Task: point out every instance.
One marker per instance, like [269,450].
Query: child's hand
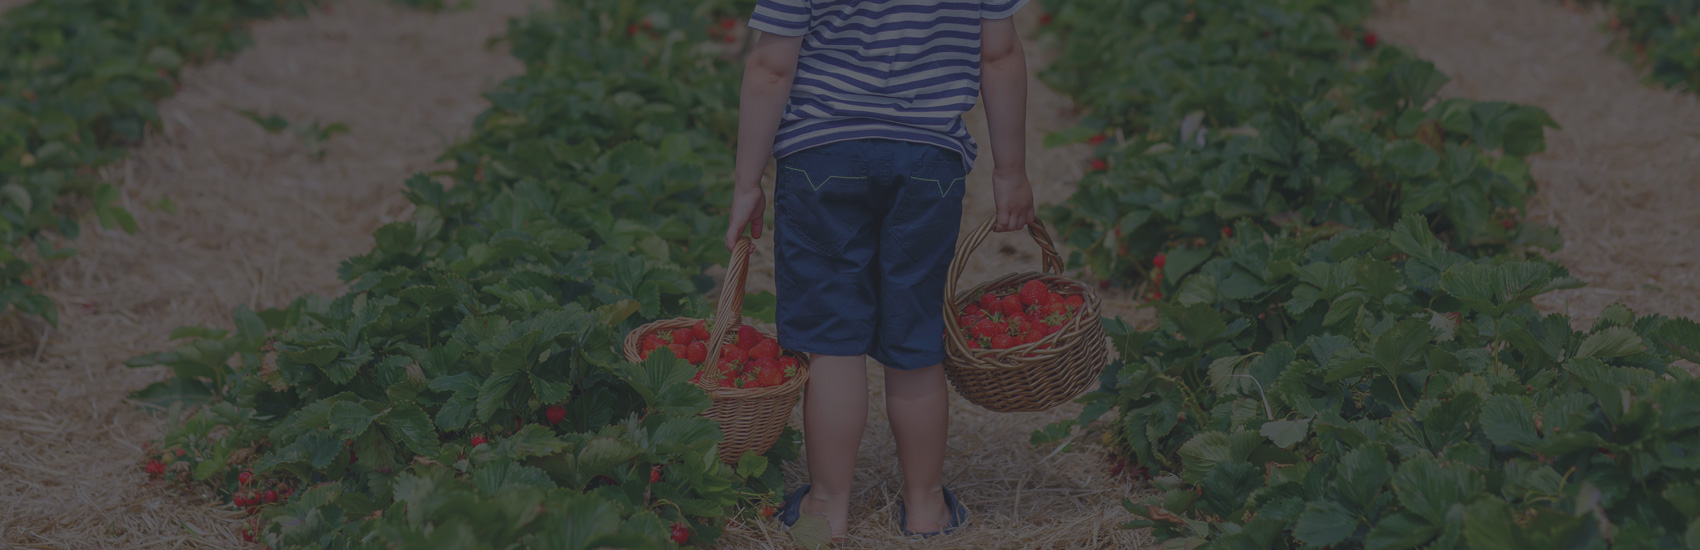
[1014,200]
[748,204]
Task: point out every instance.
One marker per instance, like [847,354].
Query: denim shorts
[864,233]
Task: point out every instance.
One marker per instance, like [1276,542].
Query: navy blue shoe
[793,507]
[958,516]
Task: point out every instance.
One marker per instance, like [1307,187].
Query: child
[861,102]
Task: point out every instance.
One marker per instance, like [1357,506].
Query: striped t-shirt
[896,69]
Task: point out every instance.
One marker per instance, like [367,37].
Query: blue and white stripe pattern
[894,69]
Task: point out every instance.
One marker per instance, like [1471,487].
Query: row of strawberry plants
[1360,370]
[1661,37]
[77,87]
[466,390]
[1280,115]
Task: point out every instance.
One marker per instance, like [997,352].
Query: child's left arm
[768,74]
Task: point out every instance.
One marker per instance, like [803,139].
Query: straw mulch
[1618,180]
[1021,497]
[257,223]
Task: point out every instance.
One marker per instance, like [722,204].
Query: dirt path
[1021,498]
[257,222]
[1618,179]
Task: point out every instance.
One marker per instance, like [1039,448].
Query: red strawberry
[788,364]
[734,354]
[984,329]
[655,473]
[756,366]
[767,349]
[155,467]
[1074,302]
[700,330]
[247,536]
[1033,292]
[1033,336]
[972,309]
[683,336]
[1099,165]
[681,533]
[1011,306]
[1003,341]
[696,353]
[748,337]
[631,30]
[1053,298]
[678,350]
[269,496]
[1227,232]
[726,23]
[729,382]
[1156,295]
[555,414]
[989,302]
[730,38]
[1508,223]
[1044,19]
[769,375]
[1095,139]
[966,321]
[766,511]
[697,378]
[478,439]
[1158,261]
[1056,309]
[1370,40]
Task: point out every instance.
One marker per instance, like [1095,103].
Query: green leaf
[1429,489]
[1363,471]
[412,427]
[1325,523]
[1285,433]
[1396,346]
[1508,420]
[1228,485]
[271,123]
[751,464]
[494,394]
[761,306]
[1611,342]
[1400,531]
[1489,524]
[350,419]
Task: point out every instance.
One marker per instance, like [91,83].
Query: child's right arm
[767,86]
[1003,80]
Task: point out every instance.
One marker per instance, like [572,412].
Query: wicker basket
[1028,377]
[750,418]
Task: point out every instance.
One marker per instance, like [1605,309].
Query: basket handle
[729,313]
[1053,263]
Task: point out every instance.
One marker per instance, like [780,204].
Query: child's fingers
[755,229]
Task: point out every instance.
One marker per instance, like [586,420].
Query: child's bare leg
[835,410]
[919,409]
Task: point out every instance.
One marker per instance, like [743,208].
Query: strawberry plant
[77,86]
[1375,388]
[1235,112]
[467,387]
[1661,37]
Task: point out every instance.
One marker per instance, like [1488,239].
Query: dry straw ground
[258,223]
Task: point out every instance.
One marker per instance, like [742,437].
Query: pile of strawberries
[1025,317]
[750,360]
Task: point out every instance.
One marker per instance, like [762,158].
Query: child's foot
[837,513]
[927,512]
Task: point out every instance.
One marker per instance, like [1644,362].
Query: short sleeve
[782,17]
[1000,9]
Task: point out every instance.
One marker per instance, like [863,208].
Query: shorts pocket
[820,206]
[927,211]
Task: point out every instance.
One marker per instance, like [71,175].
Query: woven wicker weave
[751,418]
[1024,378]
